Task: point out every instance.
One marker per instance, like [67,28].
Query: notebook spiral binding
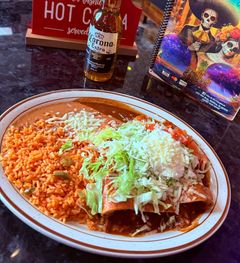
[167,13]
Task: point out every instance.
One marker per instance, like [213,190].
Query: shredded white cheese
[166,156]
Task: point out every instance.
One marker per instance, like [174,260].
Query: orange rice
[30,158]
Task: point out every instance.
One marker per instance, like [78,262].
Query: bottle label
[102,42]
[99,63]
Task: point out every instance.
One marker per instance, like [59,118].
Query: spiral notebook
[198,51]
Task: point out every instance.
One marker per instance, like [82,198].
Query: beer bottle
[103,39]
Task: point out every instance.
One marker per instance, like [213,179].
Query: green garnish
[170,181]
[66,146]
[66,162]
[29,191]
[62,174]
[82,194]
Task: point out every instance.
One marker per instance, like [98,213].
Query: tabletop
[26,71]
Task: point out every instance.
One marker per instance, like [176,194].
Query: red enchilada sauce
[127,222]
[116,109]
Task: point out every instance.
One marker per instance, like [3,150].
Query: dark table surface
[26,71]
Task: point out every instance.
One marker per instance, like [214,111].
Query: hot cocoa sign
[70,19]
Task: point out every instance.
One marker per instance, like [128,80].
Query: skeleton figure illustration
[227,47]
[226,50]
[199,38]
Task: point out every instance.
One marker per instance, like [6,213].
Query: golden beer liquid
[107,20]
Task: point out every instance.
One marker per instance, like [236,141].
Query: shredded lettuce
[95,171]
[140,163]
[107,134]
[92,198]
[66,146]
[84,169]
[126,179]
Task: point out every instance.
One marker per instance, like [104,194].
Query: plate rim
[108,251]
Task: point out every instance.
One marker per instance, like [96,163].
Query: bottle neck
[111,5]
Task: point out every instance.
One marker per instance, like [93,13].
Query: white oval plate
[79,236]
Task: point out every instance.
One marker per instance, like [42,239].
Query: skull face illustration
[230,48]
[209,18]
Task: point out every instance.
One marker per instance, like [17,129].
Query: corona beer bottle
[103,39]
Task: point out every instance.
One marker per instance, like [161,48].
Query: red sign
[71,18]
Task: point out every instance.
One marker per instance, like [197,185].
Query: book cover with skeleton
[199,52]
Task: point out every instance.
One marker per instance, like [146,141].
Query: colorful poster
[200,53]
